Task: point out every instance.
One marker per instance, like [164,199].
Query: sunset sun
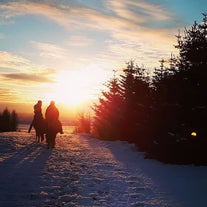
[70,88]
[75,87]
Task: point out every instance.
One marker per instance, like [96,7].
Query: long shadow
[180,183]
[20,174]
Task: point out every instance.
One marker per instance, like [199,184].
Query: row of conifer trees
[164,114]
[8,121]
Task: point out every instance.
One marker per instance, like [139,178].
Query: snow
[83,171]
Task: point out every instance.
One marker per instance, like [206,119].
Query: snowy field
[82,171]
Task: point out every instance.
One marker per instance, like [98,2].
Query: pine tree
[192,76]
[107,119]
[8,121]
[6,124]
[129,100]
[13,121]
[83,123]
[193,46]
[165,108]
[136,94]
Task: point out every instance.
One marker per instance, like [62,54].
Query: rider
[37,114]
[38,110]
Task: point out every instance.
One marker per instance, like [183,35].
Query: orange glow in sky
[75,87]
[66,50]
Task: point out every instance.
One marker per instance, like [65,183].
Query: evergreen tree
[129,100]
[6,120]
[136,104]
[193,46]
[13,121]
[166,110]
[192,76]
[180,89]
[83,124]
[180,99]
[171,109]
[107,119]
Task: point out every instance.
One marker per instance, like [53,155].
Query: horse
[40,129]
[53,127]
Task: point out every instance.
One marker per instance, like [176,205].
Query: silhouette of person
[38,110]
[52,113]
[37,114]
[52,116]
[53,124]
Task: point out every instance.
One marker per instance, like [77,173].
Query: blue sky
[48,43]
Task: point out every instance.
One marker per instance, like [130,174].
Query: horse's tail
[30,127]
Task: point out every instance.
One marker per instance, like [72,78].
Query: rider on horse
[38,121]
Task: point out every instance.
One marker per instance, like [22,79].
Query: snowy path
[82,171]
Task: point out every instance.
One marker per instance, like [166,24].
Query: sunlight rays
[77,86]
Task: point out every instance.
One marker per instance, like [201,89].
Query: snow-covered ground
[83,171]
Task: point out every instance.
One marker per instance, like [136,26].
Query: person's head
[52,102]
[39,102]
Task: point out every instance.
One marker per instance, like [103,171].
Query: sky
[65,50]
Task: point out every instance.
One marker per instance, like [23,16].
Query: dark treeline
[8,121]
[160,113]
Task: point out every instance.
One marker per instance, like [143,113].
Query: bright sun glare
[76,87]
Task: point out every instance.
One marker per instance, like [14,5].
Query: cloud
[13,9]
[136,11]
[64,15]
[7,94]
[27,78]
[128,24]
[51,50]
[80,41]
[150,10]
[26,87]
[72,15]
[18,69]
[10,61]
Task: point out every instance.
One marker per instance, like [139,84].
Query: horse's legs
[37,136]
[42,137]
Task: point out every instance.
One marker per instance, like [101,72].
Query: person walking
[53,124]
[52,113]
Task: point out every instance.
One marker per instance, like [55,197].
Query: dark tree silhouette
[192,76]
[108,112]
[8,121]
[14,120]
[180,99]
[136,96]
[159,116]
[123,112]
